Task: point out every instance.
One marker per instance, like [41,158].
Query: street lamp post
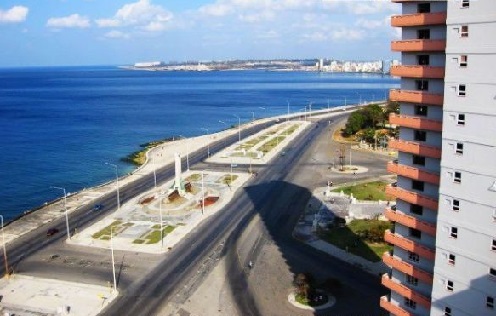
[4,251]
[161,222]
[66,215]
[253,117]
[187,151]
[208,142]
[112,253]
[202,194]
[239,127]
[287,118]
[116,184]
[226,127]
[262,108]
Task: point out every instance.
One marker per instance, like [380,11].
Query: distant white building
[148,64]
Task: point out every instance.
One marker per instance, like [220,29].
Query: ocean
[60,125]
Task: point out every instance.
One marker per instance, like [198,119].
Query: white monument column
[177,179]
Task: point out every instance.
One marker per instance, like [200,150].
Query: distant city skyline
[119,32]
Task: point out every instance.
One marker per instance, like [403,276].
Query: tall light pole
[4,251]
[66,215]
[262,108]
[208,142]
[202,194]
[252,117]
[239,127]
[155,174]
[161,222]
[287,118]
[116,184]
[112,254]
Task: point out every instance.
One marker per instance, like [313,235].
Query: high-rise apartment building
[444,257]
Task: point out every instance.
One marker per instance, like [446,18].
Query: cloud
[141,14]
[14,15]
[116,34]
[73,20]
[347,34]
[370,24]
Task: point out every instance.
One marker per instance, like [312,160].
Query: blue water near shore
[60,125]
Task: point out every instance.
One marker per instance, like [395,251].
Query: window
[464,31]
[410,303]
[451,259]
[463,60]
[490,302]
[423,60]
[415,233]
[422,85]
[424,34]
[462,90]
[418,185]
[454,232]
[492,271]
[493,246]
[418,160]
[412,256]
[421,110]
[411,280]
[416,209]
[465,4]
[461,119]
[455,205]
[457,178]
[447,311]
[459,148]
[449,286]
[424,8]
[421,136]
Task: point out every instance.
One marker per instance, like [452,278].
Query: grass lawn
[154,236]
[371,191]
[106,231]
[194,177]
[227,179]
[268,146]
[352,237]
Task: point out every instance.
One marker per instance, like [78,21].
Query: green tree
[375,115]
[355,123]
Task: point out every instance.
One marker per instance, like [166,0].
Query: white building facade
[444,257]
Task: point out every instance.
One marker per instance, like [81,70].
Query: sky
[123,32]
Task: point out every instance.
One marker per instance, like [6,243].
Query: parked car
[52,231]
[98,207]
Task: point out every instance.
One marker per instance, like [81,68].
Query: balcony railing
[418,71]
[412,197]
[415,148]
[413,173]
[415,122]
[410,221]
[419,45]
[405,267]
[414,96]
[419,19]
[406,291]
[409,245]
[393,309]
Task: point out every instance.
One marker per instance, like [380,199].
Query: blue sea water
[59,125]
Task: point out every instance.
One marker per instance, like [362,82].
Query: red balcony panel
[413,173]
[416,122]
[412,197]
[410,221]
[418,72]
[415,148]
[409,245]
[407,268]
[406,291]
[393,309]
[413,96]
[419,45]
[419,19]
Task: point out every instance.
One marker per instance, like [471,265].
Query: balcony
[393,309]
[414,96]
[413,173]
[415,122]
[410,221]
[409,245]
[412,197]
[405,291]
[419,19]
[405,267]
[415,148]
[415,71]
[419,45]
